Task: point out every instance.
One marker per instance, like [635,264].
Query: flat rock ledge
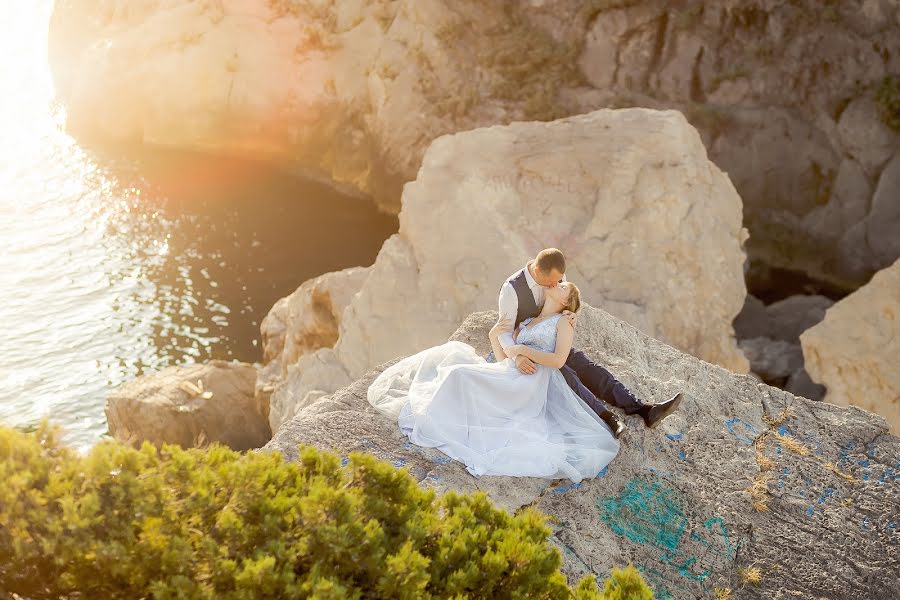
[192,406]
[743,475]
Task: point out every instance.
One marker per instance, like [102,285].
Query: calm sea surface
[113,263]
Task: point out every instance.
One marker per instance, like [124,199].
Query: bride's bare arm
[565,335]
[496,331]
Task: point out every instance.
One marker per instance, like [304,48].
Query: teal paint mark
[651,514]
[719,523]
[645,513]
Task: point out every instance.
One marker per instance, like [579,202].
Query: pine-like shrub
[214,523]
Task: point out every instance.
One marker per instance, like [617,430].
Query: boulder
[772,360]
[792,316]
[650,227]
[301,324]
[854,350]
[192,406]
[741,475]
[782,320]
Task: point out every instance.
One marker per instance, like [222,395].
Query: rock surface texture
[855,351]
[650,227]
[162,408]
[741,475]
[783,93]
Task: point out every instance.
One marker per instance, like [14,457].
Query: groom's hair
[549,259]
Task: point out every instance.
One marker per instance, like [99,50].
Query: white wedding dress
[491,417]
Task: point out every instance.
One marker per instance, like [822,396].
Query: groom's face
[547,279]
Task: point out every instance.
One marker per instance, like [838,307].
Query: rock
[170,407]
[864,135]
[300,324]
[628,195]
[772,360]
[678,501]
[782,320]
[792,316]
[801,384]
[354,92]
[854,351]
[752,321]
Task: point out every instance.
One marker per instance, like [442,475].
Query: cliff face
[741,475]
[650,227]
[782,92]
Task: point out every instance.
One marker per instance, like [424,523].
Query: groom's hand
[525,365]
[572,317]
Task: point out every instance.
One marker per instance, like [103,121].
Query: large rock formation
[192,406]
[651,229]
[299,325]
[854,351]
[741,475]
[782,92]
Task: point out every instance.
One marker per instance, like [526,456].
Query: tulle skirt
[493,418]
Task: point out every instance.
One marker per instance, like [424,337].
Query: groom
[521,297]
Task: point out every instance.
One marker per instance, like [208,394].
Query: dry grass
[831,467]
[759,491]
[722,593]
[792,444]
[751,575]
[783,416]
[764,462]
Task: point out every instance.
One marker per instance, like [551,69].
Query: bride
[490,416]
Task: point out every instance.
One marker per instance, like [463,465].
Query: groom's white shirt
[509,302]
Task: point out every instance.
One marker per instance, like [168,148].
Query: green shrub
[888,99]
[626,584]
[214,523]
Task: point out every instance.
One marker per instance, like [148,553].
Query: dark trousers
[591,381]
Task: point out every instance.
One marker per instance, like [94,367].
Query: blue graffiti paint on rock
[735,426]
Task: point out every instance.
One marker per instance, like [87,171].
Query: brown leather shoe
[657,412]
[615,425]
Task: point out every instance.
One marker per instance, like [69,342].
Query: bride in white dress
[493,418]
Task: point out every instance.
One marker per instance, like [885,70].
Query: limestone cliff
[742,475]
[782,91]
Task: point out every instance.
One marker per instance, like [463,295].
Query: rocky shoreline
[493,132]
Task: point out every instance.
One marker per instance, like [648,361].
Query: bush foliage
[214,523]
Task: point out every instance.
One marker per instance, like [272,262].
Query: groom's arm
[509,307]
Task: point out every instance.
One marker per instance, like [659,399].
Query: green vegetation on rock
[174,523]
[888,99]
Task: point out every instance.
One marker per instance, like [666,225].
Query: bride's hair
[574,301]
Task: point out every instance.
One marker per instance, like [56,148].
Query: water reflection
[110,266]
[140,264]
